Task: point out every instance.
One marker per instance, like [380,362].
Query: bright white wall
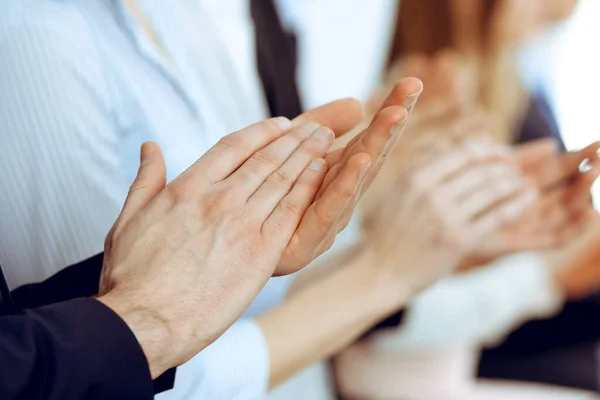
[575,78]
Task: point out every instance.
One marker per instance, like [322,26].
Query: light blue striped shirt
[81,88]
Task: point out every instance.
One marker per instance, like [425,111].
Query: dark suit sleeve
[79,280]
[78,349]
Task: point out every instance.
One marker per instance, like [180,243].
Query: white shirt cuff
[235,367]
[478,307]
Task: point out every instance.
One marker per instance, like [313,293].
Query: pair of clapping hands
[184,260]
[450,196]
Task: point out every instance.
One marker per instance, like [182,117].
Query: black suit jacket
[56,342]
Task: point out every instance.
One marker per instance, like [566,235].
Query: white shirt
[434,353]
[477,308]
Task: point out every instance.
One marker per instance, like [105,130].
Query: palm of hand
[349,177]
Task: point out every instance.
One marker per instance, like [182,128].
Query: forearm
[324,317]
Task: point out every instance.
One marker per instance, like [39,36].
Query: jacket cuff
[103,350]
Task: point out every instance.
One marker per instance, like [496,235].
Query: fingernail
[410,101]
[284,123]
[317,165]
[311,127]
[146,154]
[585,166]
[324,134]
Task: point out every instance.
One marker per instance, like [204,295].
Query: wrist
[152,331]
[388,291]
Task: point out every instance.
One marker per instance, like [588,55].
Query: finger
[319,225]
[530,154]
[490,196]
[340,116]
[463,185]
[506,213]
[470,152]
[286,216]
[150,180]
[373,141]
[582,186]
[305,142]
[405,93]
[567,166]
[233,150]
[278,184]
[562,206]
[592,151]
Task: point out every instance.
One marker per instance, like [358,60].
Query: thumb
[150,180]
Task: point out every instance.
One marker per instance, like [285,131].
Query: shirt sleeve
[480,307]
[75,350]
[235,367]
[61,181]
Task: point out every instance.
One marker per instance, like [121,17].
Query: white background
[575,78]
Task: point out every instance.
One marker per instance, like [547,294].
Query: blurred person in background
[466,54]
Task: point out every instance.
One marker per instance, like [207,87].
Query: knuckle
[139,185]
[266,158]
[232,142]
[290,208]
[312,147]
[280,178]
[178,192]
[274,127]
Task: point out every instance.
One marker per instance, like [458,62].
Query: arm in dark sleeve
[78,349]
[79,280]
